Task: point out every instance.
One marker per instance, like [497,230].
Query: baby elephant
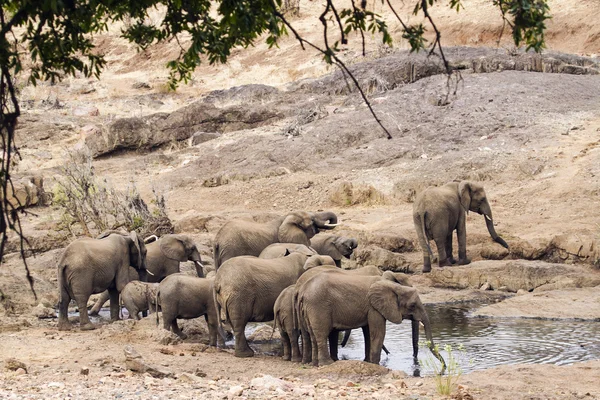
[139,296]
[185,296]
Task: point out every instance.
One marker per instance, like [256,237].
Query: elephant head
[181,248]
[397,302]
[137,255]
[301,226]
[317,261]
[472,198]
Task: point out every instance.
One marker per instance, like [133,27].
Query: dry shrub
[348,194]
[91,205]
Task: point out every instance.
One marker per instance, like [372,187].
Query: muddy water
[487,342]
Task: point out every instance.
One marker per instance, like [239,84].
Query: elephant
[337,247]
[438,211]
[186,297]
[285,317]
[163,258]
[334,336]
[139,296]
[334,300]
[247,287]
[89,266]
[246,238]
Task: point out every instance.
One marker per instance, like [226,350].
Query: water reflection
[488,342]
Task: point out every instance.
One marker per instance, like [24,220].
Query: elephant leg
[441,247]
[295,347]
[176,330]
[367,341]
[287,344]
[376,329]
[333,344]
[144,314]
[319,342]
[135,314]
[461,233]
[104,297]
[449,249]
[84,319]
[212,330]
[426,263]
[242,349]
[306,345]
[63,311]
[114,304]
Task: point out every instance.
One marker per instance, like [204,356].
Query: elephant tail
[156,300]
[216,292]
[425,240]
[217,255]
[63,287]
[295,322]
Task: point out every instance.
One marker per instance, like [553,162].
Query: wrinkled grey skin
[139,296]
[337,247]
[334,336]
[162,260]
[247,287]
[241,238]
[90,266]
[334,300]
[186,297]
[438,211]
[285,317]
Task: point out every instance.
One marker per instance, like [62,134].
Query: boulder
[201,137]
[514,275]
[26,191]
[268,382]
[390,242]
[264,333]
[384,259]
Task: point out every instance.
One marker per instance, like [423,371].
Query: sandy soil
[531,138]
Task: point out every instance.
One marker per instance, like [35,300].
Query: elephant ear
[173,248]
[136,242]
[294,229]
[384,298]
[464,193]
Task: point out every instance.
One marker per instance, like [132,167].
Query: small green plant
[446,381]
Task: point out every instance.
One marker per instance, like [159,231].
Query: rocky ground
[273,132]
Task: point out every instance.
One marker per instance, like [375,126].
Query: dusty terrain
[304,140]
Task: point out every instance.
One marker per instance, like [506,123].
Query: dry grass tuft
[348,194]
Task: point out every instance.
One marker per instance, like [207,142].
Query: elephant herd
[281,271]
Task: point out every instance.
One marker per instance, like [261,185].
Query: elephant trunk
[199,269]
[489,222]
[429,336]
[415,339]
[325,220]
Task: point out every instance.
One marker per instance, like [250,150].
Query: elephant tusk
[149,273]
[486,217]
[200,264]
[422,324]
[330,225]
[151,237]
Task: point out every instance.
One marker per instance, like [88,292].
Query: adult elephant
[332,300]
[247,238]
[247,287]
[337,247]
[90,266]
[162,260]
[438,211]
[334,335]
